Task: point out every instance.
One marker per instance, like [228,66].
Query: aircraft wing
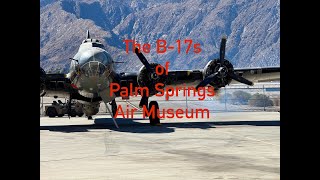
[59,85]
[194,77]
[174,78]
[218,73]
[265,74]
[54,85]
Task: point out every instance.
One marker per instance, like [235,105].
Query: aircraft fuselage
[90,73]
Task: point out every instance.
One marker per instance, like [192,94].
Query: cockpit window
[95,55]
[97,45]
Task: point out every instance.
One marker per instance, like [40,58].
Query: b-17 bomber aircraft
[92,72]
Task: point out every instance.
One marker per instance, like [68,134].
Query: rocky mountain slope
[252,28]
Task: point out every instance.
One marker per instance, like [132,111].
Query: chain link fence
[233,98]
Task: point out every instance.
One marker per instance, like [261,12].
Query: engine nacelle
[150,79]
[222,79]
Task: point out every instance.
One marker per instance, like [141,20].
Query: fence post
[225,99]
[186,99]
[264,99]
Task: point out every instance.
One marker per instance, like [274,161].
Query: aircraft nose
[93,68]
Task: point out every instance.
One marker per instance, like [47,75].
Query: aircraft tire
[73,113]
[51,112]
[80,114]
[156,120]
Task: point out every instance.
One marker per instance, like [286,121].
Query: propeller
[223,70]
[240,79]
[223,48]
[148,77]
[143,59]
[207,80]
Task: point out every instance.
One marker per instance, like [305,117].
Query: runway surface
[233,145]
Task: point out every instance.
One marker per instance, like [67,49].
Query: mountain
[252,28]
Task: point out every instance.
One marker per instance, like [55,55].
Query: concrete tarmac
[232,145]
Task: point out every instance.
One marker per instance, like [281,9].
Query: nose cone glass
[93,68]
[89,59]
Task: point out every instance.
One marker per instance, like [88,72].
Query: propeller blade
[207,80]
[143,59]
[223,48]
[240,79]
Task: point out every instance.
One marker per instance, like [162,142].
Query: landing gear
[73,113]
[144,102]
[89,117]
[112,113]
[51,112]
[154,119]
[105,99]
[113,107]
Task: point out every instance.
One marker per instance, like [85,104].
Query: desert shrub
[260,100]
[276,102]
[240,97]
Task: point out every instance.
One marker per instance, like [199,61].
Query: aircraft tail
[88,35]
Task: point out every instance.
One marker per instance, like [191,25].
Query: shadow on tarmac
[129,125]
